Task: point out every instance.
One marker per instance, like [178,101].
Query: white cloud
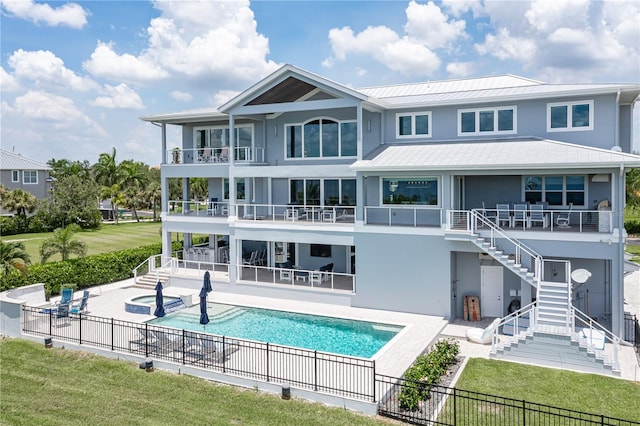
[7,82]
[46,70]
[428,25]
[222,97]
[460,69]
[548,15]
[202,40]
[459,7]
[58,111]
[69,14]
[505,46]
[106,63]
[181,96]
[121,96]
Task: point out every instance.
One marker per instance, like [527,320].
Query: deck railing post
[455,407]
[146,340]
[51,322]
[267,361]
[524,412]
[112,335]
[315,370]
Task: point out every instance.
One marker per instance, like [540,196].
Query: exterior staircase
[550,331]
[150,279]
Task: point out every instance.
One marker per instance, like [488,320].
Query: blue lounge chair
[66,296]
[81,306]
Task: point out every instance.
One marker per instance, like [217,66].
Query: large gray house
[409,197]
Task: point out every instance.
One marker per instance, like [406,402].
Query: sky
[76,76]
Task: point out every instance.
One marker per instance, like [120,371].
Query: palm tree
[633,188]
[14,258]
[133,180]
[115,196]
[108,173]
[153,195]
[62,242]
[19,201]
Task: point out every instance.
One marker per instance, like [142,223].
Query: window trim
[564,189]
[413,124]
[495,111]
[15,176]
[24,174]
[322,193]
[227,182]
[419,206]
[286,127]
[569,106]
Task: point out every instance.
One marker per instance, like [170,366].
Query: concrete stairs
[546,348]
[151,279]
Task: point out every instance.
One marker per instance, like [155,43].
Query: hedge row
[84,272]
[632,227]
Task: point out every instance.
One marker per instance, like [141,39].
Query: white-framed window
[487,121]
[570,116]
[321,138]
[556,191]
[323,192]
[15,176]
[422,191]
[240,189]
[30,177]
[413,125]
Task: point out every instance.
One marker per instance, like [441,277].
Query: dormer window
[321,138]
[487,121]
[413,125]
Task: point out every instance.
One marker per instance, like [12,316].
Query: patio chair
[315,278]
[503,214]
[537,215]
[143,339]
[252,259]
[66,296]
[520,214]
[563,220]
[482,336]
[61,315]
[80,307]
[490,215]
[166,342]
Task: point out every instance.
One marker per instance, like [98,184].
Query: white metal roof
[199,114]
[12,161]
[492,155]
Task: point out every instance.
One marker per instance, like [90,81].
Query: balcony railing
[299,278]
[403,216]
[198,208]
[551,220]
[243,154]
[295,213]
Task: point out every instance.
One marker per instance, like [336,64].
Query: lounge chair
[166,342]
[66,296]
[482,336]
[520,215]
[537,215]
[80,307]
[563,220]
[61,315]
[503,214]
[143,339]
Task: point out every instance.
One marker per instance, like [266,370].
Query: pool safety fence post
[184,361]
[146,339]
[315,370]
[455,407]
[373,376]
[50,321]
[268,361]
[80,330]
[113,337]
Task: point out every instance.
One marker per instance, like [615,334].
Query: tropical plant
[633,188]
[14,258]
[133,179]
[62,242]
[153,195]
[19,201]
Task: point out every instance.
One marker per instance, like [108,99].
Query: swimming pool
[326,334]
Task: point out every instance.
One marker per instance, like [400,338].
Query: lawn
[108,238]
[56,386]
[590,393]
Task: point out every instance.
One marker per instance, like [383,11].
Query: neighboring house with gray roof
[410,197]
[19,172]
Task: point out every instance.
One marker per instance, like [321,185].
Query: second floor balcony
[220,156]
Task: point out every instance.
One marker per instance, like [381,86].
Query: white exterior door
[491,305]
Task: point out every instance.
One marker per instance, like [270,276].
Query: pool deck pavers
[419,332]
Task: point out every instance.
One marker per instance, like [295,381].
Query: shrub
[632,227]
[85,272]
[426,371]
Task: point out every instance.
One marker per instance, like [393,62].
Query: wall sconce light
[275,130]
[369,126]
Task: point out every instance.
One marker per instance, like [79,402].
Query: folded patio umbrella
[159,312]
[207,282]
[204,318]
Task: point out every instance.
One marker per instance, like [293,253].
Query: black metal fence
[319,371]
[632,332]
[452,406]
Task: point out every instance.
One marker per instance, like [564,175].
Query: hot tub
[146,304]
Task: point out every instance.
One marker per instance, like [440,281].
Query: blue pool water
[314,332]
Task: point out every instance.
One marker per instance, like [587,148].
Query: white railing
[198,208]
[295,277]
[215,155]
[295,213]
[403,216]
[595,332]
[525,317]
[552,220]
[150,265]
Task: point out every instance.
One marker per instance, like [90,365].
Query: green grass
[106,239]
[60,387]
[635,251]
[589,393]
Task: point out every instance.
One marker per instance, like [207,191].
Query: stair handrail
[515,316]
[476,217]
[609,336]
[147,263]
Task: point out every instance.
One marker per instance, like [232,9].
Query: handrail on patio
[217,155]
[294,213]
[400,215]
[297,277]
[199,208]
